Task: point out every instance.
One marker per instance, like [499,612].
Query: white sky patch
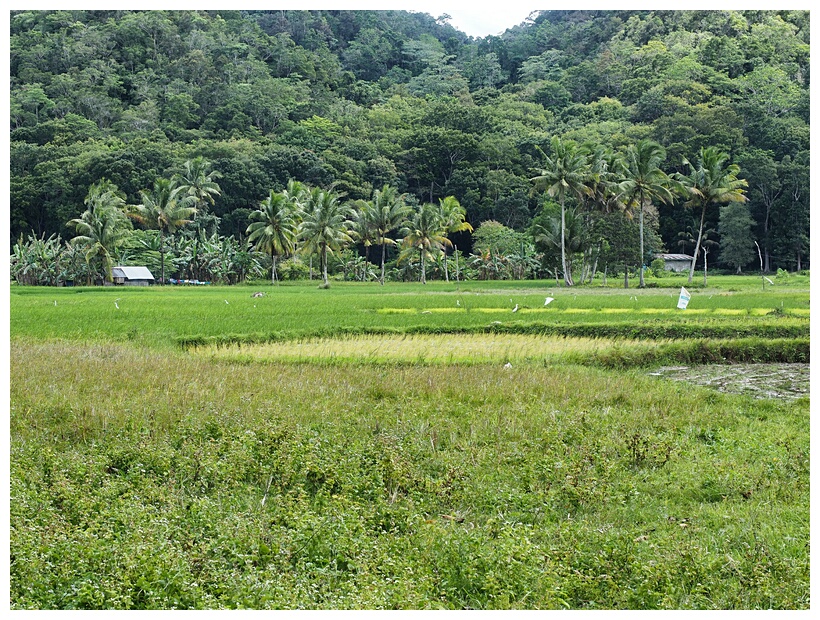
[479,19]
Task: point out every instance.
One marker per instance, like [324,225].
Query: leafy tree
[325,226]
[502,251]
[618,237]
[790,230]
[736,241]
[765,187]
[710,183]
[36,260]
[565,171]
[166,208]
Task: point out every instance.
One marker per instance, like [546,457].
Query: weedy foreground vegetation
[426,448]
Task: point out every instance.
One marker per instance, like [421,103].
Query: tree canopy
[358,100]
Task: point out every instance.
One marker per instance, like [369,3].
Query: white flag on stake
[683,300]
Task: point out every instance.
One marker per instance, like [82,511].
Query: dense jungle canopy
[361,99]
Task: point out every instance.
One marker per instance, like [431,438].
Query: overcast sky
[478,18]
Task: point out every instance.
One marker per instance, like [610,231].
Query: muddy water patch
[758,380]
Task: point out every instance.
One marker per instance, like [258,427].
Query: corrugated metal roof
[132,273]
[674,256]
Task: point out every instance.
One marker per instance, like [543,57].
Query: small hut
[675,262]
[132,276]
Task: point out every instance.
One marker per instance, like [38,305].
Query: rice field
[157,316]
[437,349]
[406,448]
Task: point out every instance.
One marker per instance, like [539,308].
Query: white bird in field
[516,308]
[548,300]
[116,305]
[507,365]
[769,281]
[458,303]
[226,301]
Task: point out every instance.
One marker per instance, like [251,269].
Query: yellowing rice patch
[466,348]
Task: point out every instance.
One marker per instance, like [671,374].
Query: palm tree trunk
[384,251]
[640,262]
[697,245]
[446,275]
[704,266]
[423,276]
[272,267]
[595,264]
[162,256]
[567,279]
[324,265]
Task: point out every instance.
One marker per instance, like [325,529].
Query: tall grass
[156,479]
[473,348]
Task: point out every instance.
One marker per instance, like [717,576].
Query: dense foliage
[359,100]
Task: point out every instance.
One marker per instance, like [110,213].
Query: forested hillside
[357,100]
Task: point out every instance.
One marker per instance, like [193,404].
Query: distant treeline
[356,100]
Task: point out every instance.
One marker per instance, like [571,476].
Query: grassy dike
[144,475]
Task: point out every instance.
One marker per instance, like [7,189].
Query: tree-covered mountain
[358,100]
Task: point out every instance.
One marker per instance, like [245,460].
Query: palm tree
[388,211]
[103,227]
[607,169]
[644,182]
[711,182]
[326,225]
[362,229]
[275,227]
[426,232]
[198,181]
[452,217]
[549,234]
[166,208]
[566,171]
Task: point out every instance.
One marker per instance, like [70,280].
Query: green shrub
[658,267]
[293,269]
